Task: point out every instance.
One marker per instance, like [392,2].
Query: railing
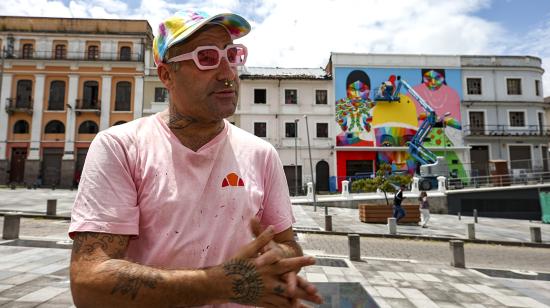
[86,105]
[499,180]
[80,55]
[15,105]
[506,130]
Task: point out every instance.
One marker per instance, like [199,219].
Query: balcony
[506,131]
[80,55]
[14,105]
[87,105]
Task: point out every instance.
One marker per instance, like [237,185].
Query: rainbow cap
[175,29]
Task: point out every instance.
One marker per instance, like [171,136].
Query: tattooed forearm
[130,279]
[247,283]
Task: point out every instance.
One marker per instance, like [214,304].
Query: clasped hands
[265,273]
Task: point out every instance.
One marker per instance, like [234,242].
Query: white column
[34,153]
[138,98]
[71,118]
[105,102]
[6,93]
[147,60]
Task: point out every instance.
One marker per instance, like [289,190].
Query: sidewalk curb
[30,215]
[429,238]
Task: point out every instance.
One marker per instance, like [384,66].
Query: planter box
[380,213]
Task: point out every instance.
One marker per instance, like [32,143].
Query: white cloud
[290,33]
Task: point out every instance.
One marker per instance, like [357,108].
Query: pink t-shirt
[186,209]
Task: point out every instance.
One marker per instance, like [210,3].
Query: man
[162,213]
[398,210]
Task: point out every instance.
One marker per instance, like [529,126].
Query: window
[517,119]
[260,129]
[321,97]
[93,52]
[125,53]
[27,51]
[57,95]
[537,87]
[260,96]
[60,52]
[291,97]
[290,130]
[161,95]
[91,94]
[477,122]
[473,86]
[123,96]
[119,122]
[514,86]
[24,93]
[88,127]
[322,130]
[21,127]
[54,127]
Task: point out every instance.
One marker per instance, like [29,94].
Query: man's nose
[226,71]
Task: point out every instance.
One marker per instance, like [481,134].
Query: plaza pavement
[404,274]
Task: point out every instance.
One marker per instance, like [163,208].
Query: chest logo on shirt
[232,179]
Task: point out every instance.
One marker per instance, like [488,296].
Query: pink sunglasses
[209,57]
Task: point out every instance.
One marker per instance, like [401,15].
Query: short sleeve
[277,208]
[106,201]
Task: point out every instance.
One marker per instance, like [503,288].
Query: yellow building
[63,80]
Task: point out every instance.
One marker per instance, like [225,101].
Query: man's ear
[165,75]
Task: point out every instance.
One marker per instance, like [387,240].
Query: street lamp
[311,169]
[296,157]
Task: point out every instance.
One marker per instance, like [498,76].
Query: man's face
[203,95]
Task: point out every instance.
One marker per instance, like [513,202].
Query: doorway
[51,166]
[321,175]
[17,165]
[479,155]
[294,179]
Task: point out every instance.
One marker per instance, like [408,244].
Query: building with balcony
[62,81]
[504,113]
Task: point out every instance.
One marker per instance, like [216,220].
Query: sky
[303,33]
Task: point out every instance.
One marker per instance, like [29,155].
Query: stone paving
[394,272]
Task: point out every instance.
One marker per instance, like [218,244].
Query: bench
[371,213]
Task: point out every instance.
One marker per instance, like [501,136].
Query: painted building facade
[371,132]
[62,81]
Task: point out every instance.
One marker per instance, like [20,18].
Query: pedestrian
[424,209]
[398,210]
[182,208]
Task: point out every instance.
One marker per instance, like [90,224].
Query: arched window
[21,127]
[24,93]
[57,95]
[60,51]
[119,122]
[91,94]
[123,96]
[27,51]
[125,53]
[88,127]
[54,127]
[93,52]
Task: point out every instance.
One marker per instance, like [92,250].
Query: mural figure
[353,111]
[395,123]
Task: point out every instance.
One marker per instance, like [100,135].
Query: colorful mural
[366,123]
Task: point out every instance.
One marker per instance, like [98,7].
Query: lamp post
[311,168]
[296,157]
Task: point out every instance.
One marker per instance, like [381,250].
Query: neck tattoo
[177,120]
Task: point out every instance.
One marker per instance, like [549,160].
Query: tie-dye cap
[177,28]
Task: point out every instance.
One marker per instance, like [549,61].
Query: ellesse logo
[232,179]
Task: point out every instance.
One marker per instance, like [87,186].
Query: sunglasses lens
[208,57]
[236,55]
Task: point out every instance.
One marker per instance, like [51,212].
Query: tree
[383,180]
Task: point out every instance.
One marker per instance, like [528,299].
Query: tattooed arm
[100,277]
